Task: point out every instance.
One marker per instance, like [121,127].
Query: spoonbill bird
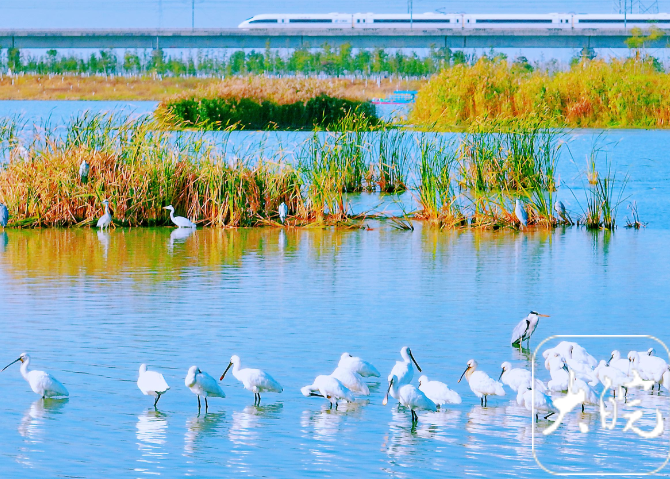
[520,213]
[410,397]
[403,370]
[617,362]
[283,211]
[357,365]
[255,380]
[330,388]
[569,349]
[560,377]
[650,368]
[438,392]
[543,402]
[4,215]
[481,383]
[518,378]
[590,397]
[106,219]
[84,168]
[352,380]
[202,384]
[617,378]
[41,382]
[526,327]
[180,221]
[151,383]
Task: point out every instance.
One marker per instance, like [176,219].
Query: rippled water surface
[90,307]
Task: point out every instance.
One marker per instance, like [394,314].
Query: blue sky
[229,13]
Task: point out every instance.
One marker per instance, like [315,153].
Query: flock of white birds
[571,367]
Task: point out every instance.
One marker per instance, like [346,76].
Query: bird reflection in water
[4,240]
[103,238]
[32,425]
[199,427]
[179,236]
[326,422]
[246,422]
[151,439]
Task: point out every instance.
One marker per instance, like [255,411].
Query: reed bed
[593,93]
[471,180]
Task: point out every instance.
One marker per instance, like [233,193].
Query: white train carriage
[427,21]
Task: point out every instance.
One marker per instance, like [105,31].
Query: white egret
[410,397]
[84,168]
[357,365]
[42,383]
[352,380]
[526,327]
[481,383]
[283,211]
[651,368]
[521,213]
[4,215]
[151,383]
[330,388]
[403,370]
[180,221]
[438,392]
[255,380]
[517,378]
[106,219]
[202,384]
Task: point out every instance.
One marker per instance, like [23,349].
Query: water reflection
[4,240]
[179,236]
[244,430]
[32,423]
[151,441]
[103,238]
[200,426]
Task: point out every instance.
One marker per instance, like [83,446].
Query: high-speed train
[455,20]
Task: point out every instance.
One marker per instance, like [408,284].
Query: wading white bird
[526,327]
[617,379]
[283,211]
[42,383]
[518,378]
[255,380]
[84,168]
[4,215]
[106,219]
[481,383]
[521,214]
[617,362]
[590,397]
[438,392]
[403,370]
[650,368]
[560,376]
[202,384]
[180,221]
[357,365]
[569,349]
[330,388]
[353,381]
[151,383]
[543,402]
[410,397]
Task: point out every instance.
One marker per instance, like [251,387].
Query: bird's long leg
[158,396]
[198,402]
[336,405]
[481,401]
[582,407]
[206,405]
[486,400]
[550,414]
[259,399]
[536,417]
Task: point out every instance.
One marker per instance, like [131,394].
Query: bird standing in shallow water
[42,383]
[180,221]
[559,207]
[151,383]
[521,214]
[357,365]
[481,383]
[283,211]
[328,387]
[202,384]
[438,392]
[106,219]
[526,327]
[409,396]
[254,380]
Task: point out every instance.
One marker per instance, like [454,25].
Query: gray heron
[526,327]
[84,168]
[283,211]
[4,215]
[520,213]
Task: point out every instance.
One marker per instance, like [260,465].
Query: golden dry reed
[594,94]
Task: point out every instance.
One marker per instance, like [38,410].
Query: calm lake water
[90,307]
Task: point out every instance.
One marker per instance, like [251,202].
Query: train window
[430,20]
[310,20]
[390,20]
[511,20]
[264,20]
